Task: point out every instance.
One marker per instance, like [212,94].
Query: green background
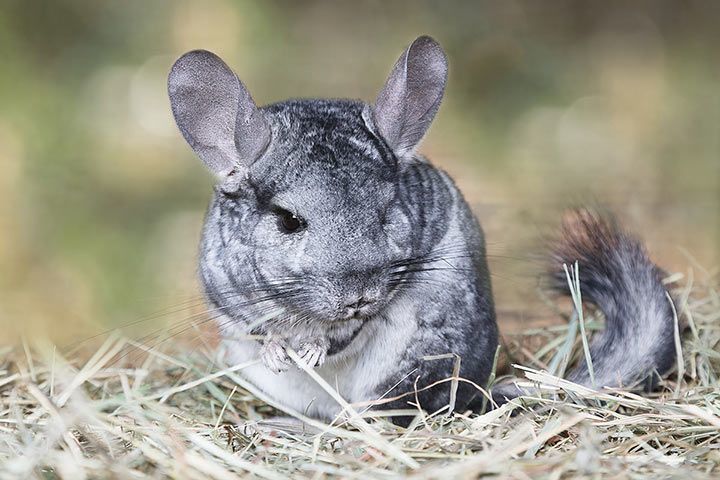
[549,104]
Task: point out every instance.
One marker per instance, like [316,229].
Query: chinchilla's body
[330,237]
[423,267]
[399,235]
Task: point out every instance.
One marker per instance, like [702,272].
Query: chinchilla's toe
[312,354]
[274,357]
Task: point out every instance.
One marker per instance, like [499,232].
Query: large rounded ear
[407,104]
[216,114]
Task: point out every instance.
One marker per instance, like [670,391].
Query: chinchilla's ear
[411,96]
[216,114]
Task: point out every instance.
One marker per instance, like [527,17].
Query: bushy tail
[616,275]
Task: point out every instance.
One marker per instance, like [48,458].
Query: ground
[163,408]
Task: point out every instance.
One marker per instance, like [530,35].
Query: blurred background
[548,105]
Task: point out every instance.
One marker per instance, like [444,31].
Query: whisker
[190,322]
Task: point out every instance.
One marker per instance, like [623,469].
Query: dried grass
[178,415]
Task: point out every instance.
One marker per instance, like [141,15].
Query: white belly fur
[356,372]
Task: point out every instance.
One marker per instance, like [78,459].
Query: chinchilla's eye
[288,221]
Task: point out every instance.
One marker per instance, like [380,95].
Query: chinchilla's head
[309,209]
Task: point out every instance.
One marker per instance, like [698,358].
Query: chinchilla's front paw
[274,356]
[313,353]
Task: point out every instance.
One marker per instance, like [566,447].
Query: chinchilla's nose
[357,306]
[358,303]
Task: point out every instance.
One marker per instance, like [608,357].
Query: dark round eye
[289,222]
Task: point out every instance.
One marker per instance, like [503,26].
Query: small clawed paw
[274,357]
[312,354]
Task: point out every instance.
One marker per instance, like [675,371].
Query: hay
[176,414]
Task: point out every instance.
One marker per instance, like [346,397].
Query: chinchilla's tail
[616,275]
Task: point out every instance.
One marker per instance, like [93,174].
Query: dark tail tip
[589,238]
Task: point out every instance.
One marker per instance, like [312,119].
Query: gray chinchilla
[328,234]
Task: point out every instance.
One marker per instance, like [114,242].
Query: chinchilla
[329,235]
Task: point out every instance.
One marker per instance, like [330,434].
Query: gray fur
[388,264]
